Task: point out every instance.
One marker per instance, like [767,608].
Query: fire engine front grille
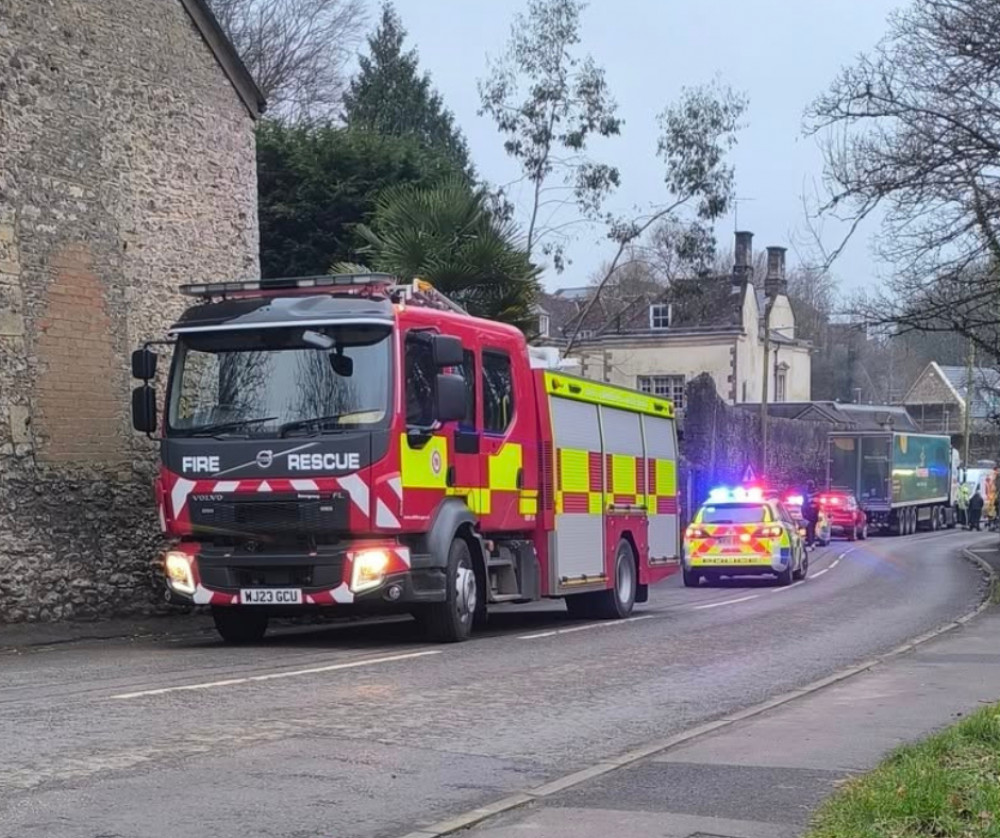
[326,575]
[326,515]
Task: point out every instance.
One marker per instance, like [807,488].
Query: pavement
[363,730]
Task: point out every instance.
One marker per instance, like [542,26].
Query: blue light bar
[736,495]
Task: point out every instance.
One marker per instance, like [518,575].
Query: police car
[740,532]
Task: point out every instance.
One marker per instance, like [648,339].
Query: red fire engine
[346,441]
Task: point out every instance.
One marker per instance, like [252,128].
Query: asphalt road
[362,730]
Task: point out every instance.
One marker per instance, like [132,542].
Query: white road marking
[833,564]
[274,676]
[588,627]
[789,587]
[819,573]
[725,602]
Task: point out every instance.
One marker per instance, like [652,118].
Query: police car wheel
[618,601]
[240,625]
[787,576]
[451,621]
[692,578]
[803,570]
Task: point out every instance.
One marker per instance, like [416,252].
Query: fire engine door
[464,443]
[507,440]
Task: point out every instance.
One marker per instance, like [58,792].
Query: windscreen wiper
[319,421]
[211,430]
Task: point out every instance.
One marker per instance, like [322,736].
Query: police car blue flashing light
[736,495]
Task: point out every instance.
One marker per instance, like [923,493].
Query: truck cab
[347,441]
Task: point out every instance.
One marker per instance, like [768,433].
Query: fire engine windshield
[280,381]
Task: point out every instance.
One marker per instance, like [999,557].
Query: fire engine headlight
[180,577]
[368,569]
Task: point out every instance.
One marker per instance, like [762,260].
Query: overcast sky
[781,53]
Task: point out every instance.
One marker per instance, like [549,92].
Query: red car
[845,514]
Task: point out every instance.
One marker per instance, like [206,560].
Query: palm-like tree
[448,235]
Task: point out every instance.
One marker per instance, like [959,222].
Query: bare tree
[913,130]
[296,50]
[696,133]
[549,102]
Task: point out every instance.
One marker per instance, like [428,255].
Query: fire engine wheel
[239,625]
[451,621]
[617,602]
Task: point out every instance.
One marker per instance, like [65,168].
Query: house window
[659,316]
[665,386]
[780,384]
[543,325]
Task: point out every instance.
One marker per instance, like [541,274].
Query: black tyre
[803,570]
[787,576]
[935,520]
[617,602]
[852,533]
[451,621]
[692,578]
[240,625]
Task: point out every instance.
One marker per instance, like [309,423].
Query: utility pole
[763,395]
[968,400]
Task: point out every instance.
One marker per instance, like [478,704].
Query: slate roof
[711,302]
[843,416]
[985,388]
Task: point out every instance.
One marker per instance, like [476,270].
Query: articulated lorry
[350,443]
[903,481]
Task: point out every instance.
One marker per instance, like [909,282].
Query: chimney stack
[775,282]
[743,267]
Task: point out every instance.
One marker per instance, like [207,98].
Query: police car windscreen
[733,513]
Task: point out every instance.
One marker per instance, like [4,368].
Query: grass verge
[945,787]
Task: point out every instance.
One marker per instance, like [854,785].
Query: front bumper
[324,576]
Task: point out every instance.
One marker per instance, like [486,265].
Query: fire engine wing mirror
[144,364]
[450,398]
[447,352]
[144,409]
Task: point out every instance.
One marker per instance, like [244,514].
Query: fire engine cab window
[420,375]
[742,514]
[498,392]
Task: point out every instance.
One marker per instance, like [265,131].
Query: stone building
[658,339]
[127,166]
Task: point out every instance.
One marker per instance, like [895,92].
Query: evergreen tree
[390,95]
[448,234]
[317,182]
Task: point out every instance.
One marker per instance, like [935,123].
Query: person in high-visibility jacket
[963,504]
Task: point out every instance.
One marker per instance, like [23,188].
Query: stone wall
[720,441]
[126,167]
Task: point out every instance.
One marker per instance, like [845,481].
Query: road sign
[748,475]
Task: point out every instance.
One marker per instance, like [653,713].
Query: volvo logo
[265,458]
